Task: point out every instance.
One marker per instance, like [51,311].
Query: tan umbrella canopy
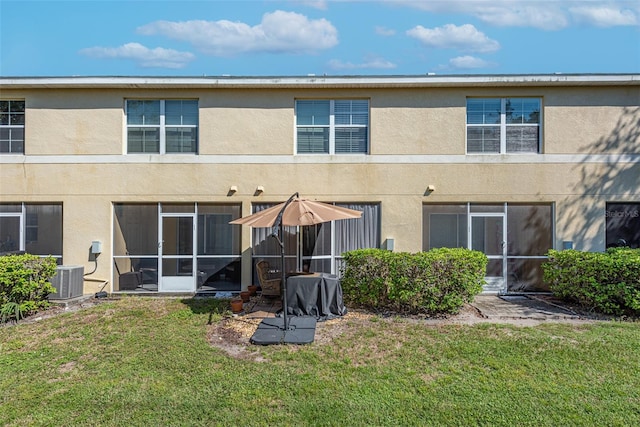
[298,212]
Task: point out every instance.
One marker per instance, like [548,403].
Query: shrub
[439,281]
[24,284]
[603,282]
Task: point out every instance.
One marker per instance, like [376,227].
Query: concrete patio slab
[488,306]
[520,307]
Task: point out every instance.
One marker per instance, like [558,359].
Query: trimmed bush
[439,281]
[24,285]
[607,282]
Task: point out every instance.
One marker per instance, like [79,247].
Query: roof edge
[312,81]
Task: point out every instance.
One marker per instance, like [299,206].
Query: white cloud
[383,31]
[316,4]
[279,32]
[145,57]
[542,15]
[371,62]
[469,62]
[603,16]
[464,37]
[545,15]
[522,13]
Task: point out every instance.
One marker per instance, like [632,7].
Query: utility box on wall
[68,281]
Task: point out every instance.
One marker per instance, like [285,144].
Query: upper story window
[162,126]
[503,125]
[12,127]
[332,126]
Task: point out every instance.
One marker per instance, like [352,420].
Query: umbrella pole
[279,227]
[283,287]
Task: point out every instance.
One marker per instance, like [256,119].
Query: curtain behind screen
[358,233]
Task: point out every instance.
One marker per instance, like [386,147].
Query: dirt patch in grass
[233,334]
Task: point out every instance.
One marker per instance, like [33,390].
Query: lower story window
[514,236]
[34,228]
[623,225]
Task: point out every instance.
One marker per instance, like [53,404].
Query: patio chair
[270,286]
[130,281]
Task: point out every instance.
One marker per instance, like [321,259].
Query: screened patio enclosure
[514,236]
[318,248]
[168,247]
[35,228]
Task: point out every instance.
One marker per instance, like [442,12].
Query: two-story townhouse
[154,168]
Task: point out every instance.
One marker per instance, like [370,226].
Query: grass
[148,362]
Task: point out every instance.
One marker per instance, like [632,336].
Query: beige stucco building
[152,169]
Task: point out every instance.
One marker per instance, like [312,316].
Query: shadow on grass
[207,305]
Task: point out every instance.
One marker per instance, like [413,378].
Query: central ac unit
[68,281]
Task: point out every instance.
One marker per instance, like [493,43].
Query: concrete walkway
[496,307]
[489,307]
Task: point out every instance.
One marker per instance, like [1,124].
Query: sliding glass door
[177,253]
[486,234]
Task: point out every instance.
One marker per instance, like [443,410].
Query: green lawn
[148,362]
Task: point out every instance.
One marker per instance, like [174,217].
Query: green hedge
[24,284]
[439,281]
[606,282]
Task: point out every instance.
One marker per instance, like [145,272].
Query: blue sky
[332,37]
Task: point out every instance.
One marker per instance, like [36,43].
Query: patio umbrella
[297,211]
[294,212]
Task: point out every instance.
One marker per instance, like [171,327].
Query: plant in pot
[245,296]
[236,305]
[252,289]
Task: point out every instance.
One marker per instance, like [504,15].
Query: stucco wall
[75,140]
[418,121]
[593,120]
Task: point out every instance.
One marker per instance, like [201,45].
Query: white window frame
[162,128]
[20,215]
[332,127]
[503,125]
[9,126]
